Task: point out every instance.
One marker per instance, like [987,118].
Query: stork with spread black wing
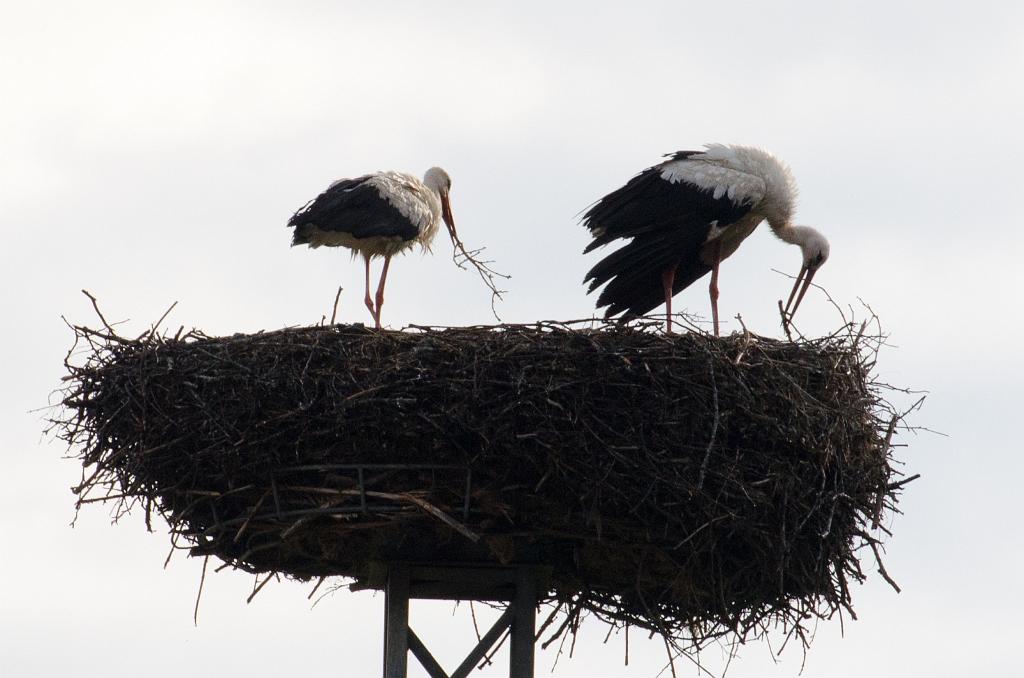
[683,217]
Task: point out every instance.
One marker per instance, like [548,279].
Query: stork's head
[437,180]
[814,248]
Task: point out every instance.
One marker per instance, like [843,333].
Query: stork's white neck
[794,235]
[812,243]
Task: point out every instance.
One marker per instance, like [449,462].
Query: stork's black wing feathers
[633,272]
[648,203]
[635,208]
[351,206]
[682,155]
[668,224]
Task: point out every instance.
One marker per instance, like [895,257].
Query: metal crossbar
[517,585]
[382,503]
[361,479]
[427,660]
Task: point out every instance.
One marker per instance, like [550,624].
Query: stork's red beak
[446,215]
[804,277]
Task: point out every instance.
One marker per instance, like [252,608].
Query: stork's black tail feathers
[634,275]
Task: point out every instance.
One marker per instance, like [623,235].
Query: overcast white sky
[152,152]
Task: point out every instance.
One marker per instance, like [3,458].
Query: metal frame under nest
[517,586]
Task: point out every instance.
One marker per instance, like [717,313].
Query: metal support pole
[523,625]
[518,586]
[396,622]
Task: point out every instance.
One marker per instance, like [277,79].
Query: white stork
[684,216]
[377,215]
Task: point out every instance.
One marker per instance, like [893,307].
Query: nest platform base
[407,581]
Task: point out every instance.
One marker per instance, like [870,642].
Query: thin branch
[334,312]
[156,325]
[461,256]
[96,308]
[199,594]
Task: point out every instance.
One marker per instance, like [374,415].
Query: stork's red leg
[668,277]
[368,301]
[713,288]
[380,287]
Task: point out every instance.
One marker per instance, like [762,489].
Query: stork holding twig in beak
[683,217]
[377,215]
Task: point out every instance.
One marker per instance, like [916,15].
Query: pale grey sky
[152,153]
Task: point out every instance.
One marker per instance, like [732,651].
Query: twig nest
[686,484]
